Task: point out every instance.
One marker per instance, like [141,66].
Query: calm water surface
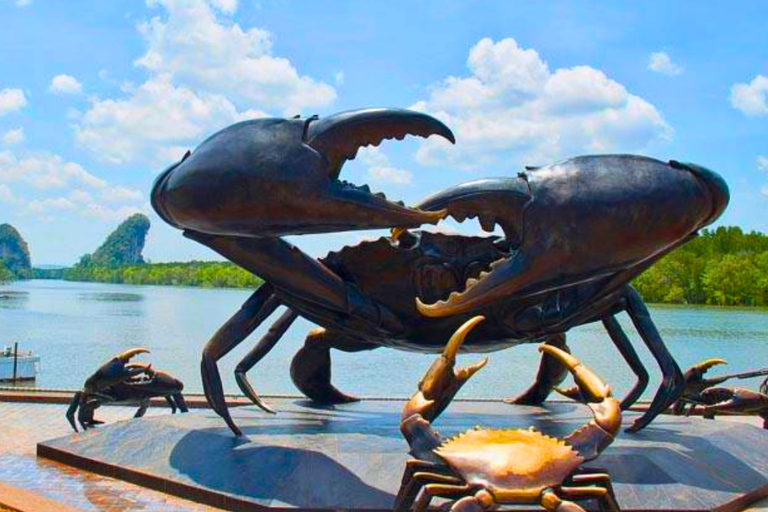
[75,327]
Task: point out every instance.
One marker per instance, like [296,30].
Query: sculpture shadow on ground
[321,456]
[300,477]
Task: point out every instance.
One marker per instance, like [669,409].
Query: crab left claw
[274,177]
[441,382]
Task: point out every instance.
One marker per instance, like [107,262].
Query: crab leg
[171,403]
[441,490]
[73,406]
[673,382]
[550,374]
[251,314]
[143,406]
[311,366]
[262,348]
[408,488]
[180,402]
[620,339]
[298,275]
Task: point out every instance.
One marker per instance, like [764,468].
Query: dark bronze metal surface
[575,234]
[118,381]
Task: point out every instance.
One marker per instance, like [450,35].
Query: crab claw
[441,382]
[275,177]
[131,353]
[733,401]
[595,436]
[117,369]
[581,202]
[698,370]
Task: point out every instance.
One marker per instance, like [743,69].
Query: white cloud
[390,175]
[12,99]
[44,170]
[379,168]
[157,115]
[200,50]
[102,212]
[225,6]
[206,72]
[65,84]
[762,164]
[44,205]
[751,98]
[21,3]
[120,194]
[338,78]
[512,109]
[55,187]
[660,62]
[6,196]
[14,136]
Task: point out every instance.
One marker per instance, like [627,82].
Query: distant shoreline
[225,275]
[201,274]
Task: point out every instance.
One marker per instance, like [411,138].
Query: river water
[74,327]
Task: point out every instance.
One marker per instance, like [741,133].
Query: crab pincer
[117,370]
[441,382]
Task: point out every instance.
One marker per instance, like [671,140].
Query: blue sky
[97,97]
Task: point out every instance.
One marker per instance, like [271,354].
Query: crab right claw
[117,369]
[698,370]
[598,433]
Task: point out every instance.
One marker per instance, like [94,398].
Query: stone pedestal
[351,456]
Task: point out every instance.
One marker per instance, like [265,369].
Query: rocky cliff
[14,251]
[123,246]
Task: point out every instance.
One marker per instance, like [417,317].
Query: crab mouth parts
[506,250]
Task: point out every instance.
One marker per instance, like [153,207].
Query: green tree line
[5,274]
[725,267]
[206,274]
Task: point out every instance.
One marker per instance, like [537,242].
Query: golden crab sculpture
[483,468]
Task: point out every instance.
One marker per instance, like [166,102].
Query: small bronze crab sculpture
[483,468]
[575,234]
[120,382]
[738,401]
[696,384]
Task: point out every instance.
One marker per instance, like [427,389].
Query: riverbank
[203,274]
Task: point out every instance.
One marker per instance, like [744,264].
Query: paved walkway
[22,425]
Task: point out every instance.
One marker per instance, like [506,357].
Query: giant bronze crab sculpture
[120,382]
[575,234]
[483,468]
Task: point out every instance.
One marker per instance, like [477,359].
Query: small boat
[26,365]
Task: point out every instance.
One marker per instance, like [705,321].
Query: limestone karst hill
[14,252]
[123,246]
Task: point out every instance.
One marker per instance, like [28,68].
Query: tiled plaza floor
[22,425]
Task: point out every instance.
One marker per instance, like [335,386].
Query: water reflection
[111,297]
[12,298]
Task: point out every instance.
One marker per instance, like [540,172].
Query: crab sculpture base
[352,456]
